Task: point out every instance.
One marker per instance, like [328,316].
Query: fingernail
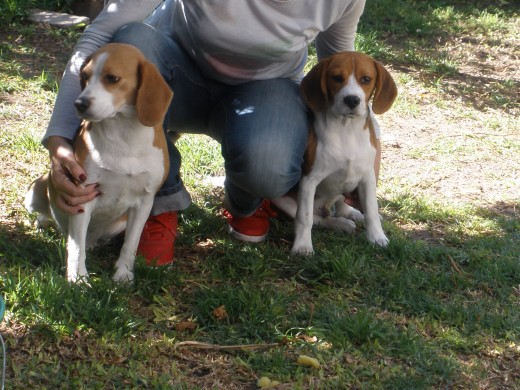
[82,177]
[98,194]
[80,211]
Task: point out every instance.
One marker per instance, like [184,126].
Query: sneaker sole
[246,238]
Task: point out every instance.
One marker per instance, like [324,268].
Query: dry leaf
[220,313]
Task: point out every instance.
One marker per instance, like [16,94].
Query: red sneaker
[253,228]
[158,238]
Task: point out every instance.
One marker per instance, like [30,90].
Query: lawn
[438,308]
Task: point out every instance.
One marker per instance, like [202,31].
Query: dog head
[117,78]
[345,82]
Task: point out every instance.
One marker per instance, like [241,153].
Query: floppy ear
[153,95]
[386,90]
[314,86]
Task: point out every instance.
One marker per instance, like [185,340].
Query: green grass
[438,308]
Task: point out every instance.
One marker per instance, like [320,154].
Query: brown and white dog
[122,147]
[342,147]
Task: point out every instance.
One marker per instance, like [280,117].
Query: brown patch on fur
[80,147]
[386,90]
[370,124]
[310,151]
[159,141]
[153,96]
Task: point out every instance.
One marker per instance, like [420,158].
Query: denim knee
[269,176]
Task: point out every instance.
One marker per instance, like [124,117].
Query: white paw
[380,239]
[78,278]
[123,275]
[340,224]
[356,215]
[302,250]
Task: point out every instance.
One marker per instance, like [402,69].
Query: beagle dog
[122,147]
[341,148]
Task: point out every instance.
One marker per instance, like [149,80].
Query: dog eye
[365,80]
[338,78]
[111,79]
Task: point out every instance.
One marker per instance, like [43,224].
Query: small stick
[241,347]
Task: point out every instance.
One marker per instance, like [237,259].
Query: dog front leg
[368,198]
[76,245]
[137,217]
[304,217]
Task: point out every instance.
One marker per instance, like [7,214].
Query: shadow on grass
[417,306]
[32,52]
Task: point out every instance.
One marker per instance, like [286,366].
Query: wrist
[53,143]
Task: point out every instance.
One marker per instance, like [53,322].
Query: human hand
[68,176]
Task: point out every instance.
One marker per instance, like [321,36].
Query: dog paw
[348,212]
[123,275]
[345,225]
[78,279]
[339,224]
[302,251]
[356,215]
[380,240]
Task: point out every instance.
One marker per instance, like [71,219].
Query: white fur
[344,161]
[102,105]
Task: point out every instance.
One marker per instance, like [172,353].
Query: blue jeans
[261,125]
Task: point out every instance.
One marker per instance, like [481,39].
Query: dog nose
[82,104]
[351,101]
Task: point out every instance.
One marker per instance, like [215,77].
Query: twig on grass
[238,347]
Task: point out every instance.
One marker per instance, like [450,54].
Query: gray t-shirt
[233,41]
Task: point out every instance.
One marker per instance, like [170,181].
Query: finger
[80,199]
[64,206]
[63,184]
[75,170]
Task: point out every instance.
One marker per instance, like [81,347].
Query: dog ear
[314,86]
[153,95]
[386,90]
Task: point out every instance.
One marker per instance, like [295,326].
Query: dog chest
[341,181]
[126,167]
[344,155]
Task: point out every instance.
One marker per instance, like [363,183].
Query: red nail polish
[80,211]
[82,177]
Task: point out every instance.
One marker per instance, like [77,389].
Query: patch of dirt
[455,138]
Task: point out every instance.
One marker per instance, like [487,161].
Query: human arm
[340,35]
